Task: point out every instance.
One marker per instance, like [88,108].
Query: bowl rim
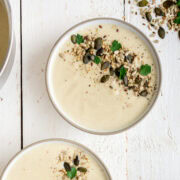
[10,40]
[157,89]
[58,140]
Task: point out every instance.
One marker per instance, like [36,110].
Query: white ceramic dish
[61,141]
[8,61]
[80,26]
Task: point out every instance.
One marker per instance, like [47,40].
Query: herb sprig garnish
[72,173]
[115,46]
[177,20]
[122,72]
[145,70]
[178,3]
[79,39]
[97,59]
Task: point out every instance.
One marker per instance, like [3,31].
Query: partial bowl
[8,59]
[33,146]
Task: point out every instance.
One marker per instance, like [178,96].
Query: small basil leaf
[97,60]
[79,39]
[115,46]
[122,72]
[71,174]
[145,70]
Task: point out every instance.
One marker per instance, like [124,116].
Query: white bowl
[48,141]
[75,29]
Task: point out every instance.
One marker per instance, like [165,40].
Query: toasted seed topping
[167,4]
[76,161]
[144,93]
[82,169]
[104,78]
[98,43]
[105,65]
[159,12]
[67,166]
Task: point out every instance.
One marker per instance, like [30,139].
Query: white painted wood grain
[10,101]
[149,151]
[153,147]
[43,22]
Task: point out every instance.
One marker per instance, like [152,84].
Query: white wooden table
[149,151]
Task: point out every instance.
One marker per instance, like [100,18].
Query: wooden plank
[10,109]
[43,23]
[153,146]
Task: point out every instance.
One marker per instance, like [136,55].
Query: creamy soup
[4,33]
[105,89]
[51,161]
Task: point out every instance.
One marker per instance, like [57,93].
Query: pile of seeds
[117,64]
[166,13]
[73,167]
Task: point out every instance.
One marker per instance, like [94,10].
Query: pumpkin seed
[142,3]
[73,39]
[76,161]
[117,71]
[138,80]
[87,57]
[105,65]
[144,93]
[105,78]
[148,16]
[125,80]
[159,12]
[67,167]
[167,4]
[161,33]
[99,52]
[111,71]
[82,169]
[129,58]
[98,43]
[146,84]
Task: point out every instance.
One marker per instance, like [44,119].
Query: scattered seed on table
[148,16]
[159,12]
[87,58]
[76,161]
[161,33]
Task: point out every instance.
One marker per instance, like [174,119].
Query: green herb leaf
[71,174]
[115,46]
[145,70]
[122,72]
[79,39]
[178,3]
[177,20]
[97,59]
